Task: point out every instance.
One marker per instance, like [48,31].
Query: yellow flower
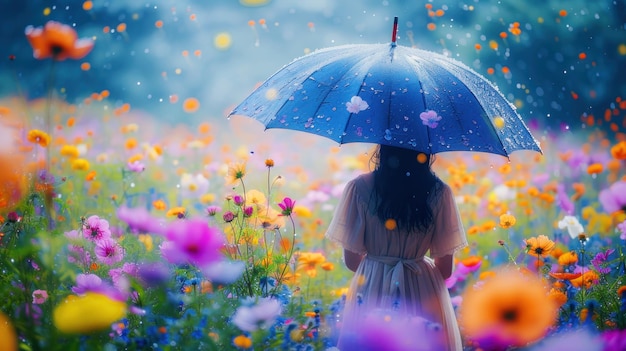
[80,164]
[242,342]
[302,211]
[159,205]
[507,220]
[69,151]
[236,172]
[8,338]
[89,313]
[568,258]
[327,266]
[146,240]
[309,261]
[255,197]
[511,306]
[176,212]
[37,136]
[541,246]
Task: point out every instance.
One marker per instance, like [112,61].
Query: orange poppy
[564,275]
[58,41]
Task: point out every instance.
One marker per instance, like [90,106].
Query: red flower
[58,41]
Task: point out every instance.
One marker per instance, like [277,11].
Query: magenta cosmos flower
[96,228]
[108,251]
[192,241]
[287,206]
[613,199]
[140,220]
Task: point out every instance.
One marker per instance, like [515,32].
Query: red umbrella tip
[394,33]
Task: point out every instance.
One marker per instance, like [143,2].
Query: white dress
[396,274]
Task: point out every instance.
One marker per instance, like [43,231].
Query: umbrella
[389,94]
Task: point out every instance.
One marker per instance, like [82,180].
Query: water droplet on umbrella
[387,134]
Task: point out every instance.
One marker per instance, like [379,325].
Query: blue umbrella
[390,94]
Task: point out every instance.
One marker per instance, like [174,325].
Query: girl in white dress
[399,227]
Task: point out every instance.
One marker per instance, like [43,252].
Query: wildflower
[96,228]
[238,200]
[228,216]
[507,220]
[595,168]
[600,259]
[136,166]
[586,280]
[618,151]
[159,205]
[223,272]
[286,206]
[108,251]
[248,211]
[327,266]
[622,228]
[613,199]
[309,261]
[574,228]
[87,282]
[242,342]
[539,246]
[8,337]
[70,151]
[557,296]
[213,210]
[193,186]
[39,296]
[89,313]
[193,241]
[269,163]
[260,315]
[58,41]
[568,258]
[179,212]
[235,172]
[511,308]
[37,136]
[255,197]
[139,220]
[80,164]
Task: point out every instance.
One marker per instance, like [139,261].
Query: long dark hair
[403,186]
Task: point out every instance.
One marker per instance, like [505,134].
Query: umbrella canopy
[390,94]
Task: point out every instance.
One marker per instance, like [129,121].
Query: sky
[565,63]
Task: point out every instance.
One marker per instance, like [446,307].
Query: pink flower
[622,228]
[39,296]
[356,105]
[140,220]
[119,276]
[192,241]
[136,166]
[430,118]
[287,206]
[213,210]
[108,251]
[87,282]
[96,228]
[228,217]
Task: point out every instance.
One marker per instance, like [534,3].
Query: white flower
[193,186]
[261,315]
[503,193]
[574,228]
[356,105]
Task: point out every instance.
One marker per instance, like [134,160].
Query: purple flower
[564,201]
[238,200]
[599,260]
[247,211]
[136,166]
[119,276]
[430,118]
[192,241]
[224,272]
[78,254]
[39,296]
[87,282]
[228,216]
[108,251]
[153,274]
[96,228]
[140,220]
[213,210]
[260,315]
[287,206]
[613,199]
[614,340]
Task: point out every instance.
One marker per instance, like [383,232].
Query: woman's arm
[352,259]
[444,265]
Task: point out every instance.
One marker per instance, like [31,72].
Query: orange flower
[558,297]
[507,220]
[595,168]
[37,136]
[176,212]
[309,260]
[58,41]
[159,204]
[568,258]
[579,189]
[511,306]
[586,280]
[539,246]
[621,290]
[618,151]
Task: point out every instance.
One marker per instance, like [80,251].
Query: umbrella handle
[394,32]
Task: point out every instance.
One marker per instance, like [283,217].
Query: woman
[387,221]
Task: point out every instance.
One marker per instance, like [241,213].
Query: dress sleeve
[449,234]
[347,226]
